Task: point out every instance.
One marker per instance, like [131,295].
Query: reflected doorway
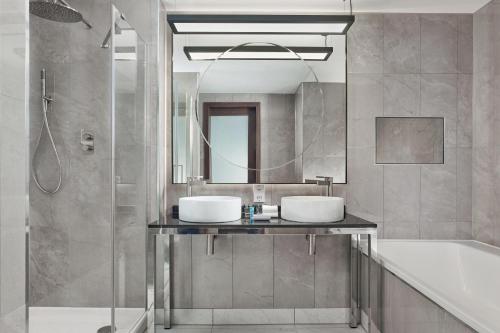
[233,132]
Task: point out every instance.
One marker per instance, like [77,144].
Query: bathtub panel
[454,277]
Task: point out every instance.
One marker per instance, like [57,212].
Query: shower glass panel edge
[129,174]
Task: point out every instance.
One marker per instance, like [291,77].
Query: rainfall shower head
[56,10]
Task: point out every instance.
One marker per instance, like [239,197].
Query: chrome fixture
[87,140]
[195,180]
[258,52]
[210,245]
[322,181]
[118,31]
[58,11]
[261,24]
[45,124]
[312,244]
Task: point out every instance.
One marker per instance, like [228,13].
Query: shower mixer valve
[87,140]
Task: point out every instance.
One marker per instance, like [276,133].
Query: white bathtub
[463,277]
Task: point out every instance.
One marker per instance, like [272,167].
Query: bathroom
[165,168]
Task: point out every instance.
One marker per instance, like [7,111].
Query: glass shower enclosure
[87,241]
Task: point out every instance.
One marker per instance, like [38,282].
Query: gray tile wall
[70,259]
[385,78]
[411,65]
[13,164]
[260,272]
[486,131]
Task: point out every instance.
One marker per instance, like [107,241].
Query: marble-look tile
[365,42]
[253,316]
[293,273]
[438,194]
[183,329]
[464,230]
[401,43]
[328,328]
[439,99]
[365,188]
[402,230]
[254,329]
[450,324]
[439,43]
[284,190]
[192,316]
[212,275]
[406,140]
[464,184]
[322,316]
[331,272]
[465,44]
[365,102]
[182,272]
[401,193]
[438,230]
[401,95]
[253,272]
[464,111]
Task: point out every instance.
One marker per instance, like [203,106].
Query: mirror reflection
[267,118]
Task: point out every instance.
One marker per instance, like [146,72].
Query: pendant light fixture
[261,24]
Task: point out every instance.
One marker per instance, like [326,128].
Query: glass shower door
[129,175]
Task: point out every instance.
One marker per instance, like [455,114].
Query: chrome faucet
[322,181]
[194,180]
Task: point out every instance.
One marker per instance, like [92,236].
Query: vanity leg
[355,281]
[369,286]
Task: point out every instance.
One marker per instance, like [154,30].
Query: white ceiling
[325,6]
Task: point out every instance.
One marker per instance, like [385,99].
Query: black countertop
[274,226]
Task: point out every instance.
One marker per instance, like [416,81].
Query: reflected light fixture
[261,24]
[264,52]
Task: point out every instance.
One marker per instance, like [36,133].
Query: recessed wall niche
[409,140]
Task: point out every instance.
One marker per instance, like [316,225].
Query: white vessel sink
[311,209]
[207,209]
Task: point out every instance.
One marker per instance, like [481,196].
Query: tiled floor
[261,329]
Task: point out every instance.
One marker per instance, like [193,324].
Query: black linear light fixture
[260,52]
[261,24]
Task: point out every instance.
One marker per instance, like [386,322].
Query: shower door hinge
[87,140]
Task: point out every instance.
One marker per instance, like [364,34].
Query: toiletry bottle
[250,214]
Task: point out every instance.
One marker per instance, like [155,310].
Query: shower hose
[45,124]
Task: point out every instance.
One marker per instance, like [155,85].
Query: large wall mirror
[272,120]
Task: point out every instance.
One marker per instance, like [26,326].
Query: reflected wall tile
[401,43]
[401,193]
[365,42]
[439,43]
[332,282]
[212,275]
[401,95]
[438,197]
[182,272]
[465,44]
[253,271]
[293,273]
[439,99]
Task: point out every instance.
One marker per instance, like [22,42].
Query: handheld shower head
[56,10]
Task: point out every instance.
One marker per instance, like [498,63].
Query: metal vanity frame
[160,237]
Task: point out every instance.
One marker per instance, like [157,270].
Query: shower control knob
[87,140]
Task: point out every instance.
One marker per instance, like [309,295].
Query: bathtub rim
[431,293]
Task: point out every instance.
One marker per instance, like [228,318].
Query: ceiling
[326,6]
